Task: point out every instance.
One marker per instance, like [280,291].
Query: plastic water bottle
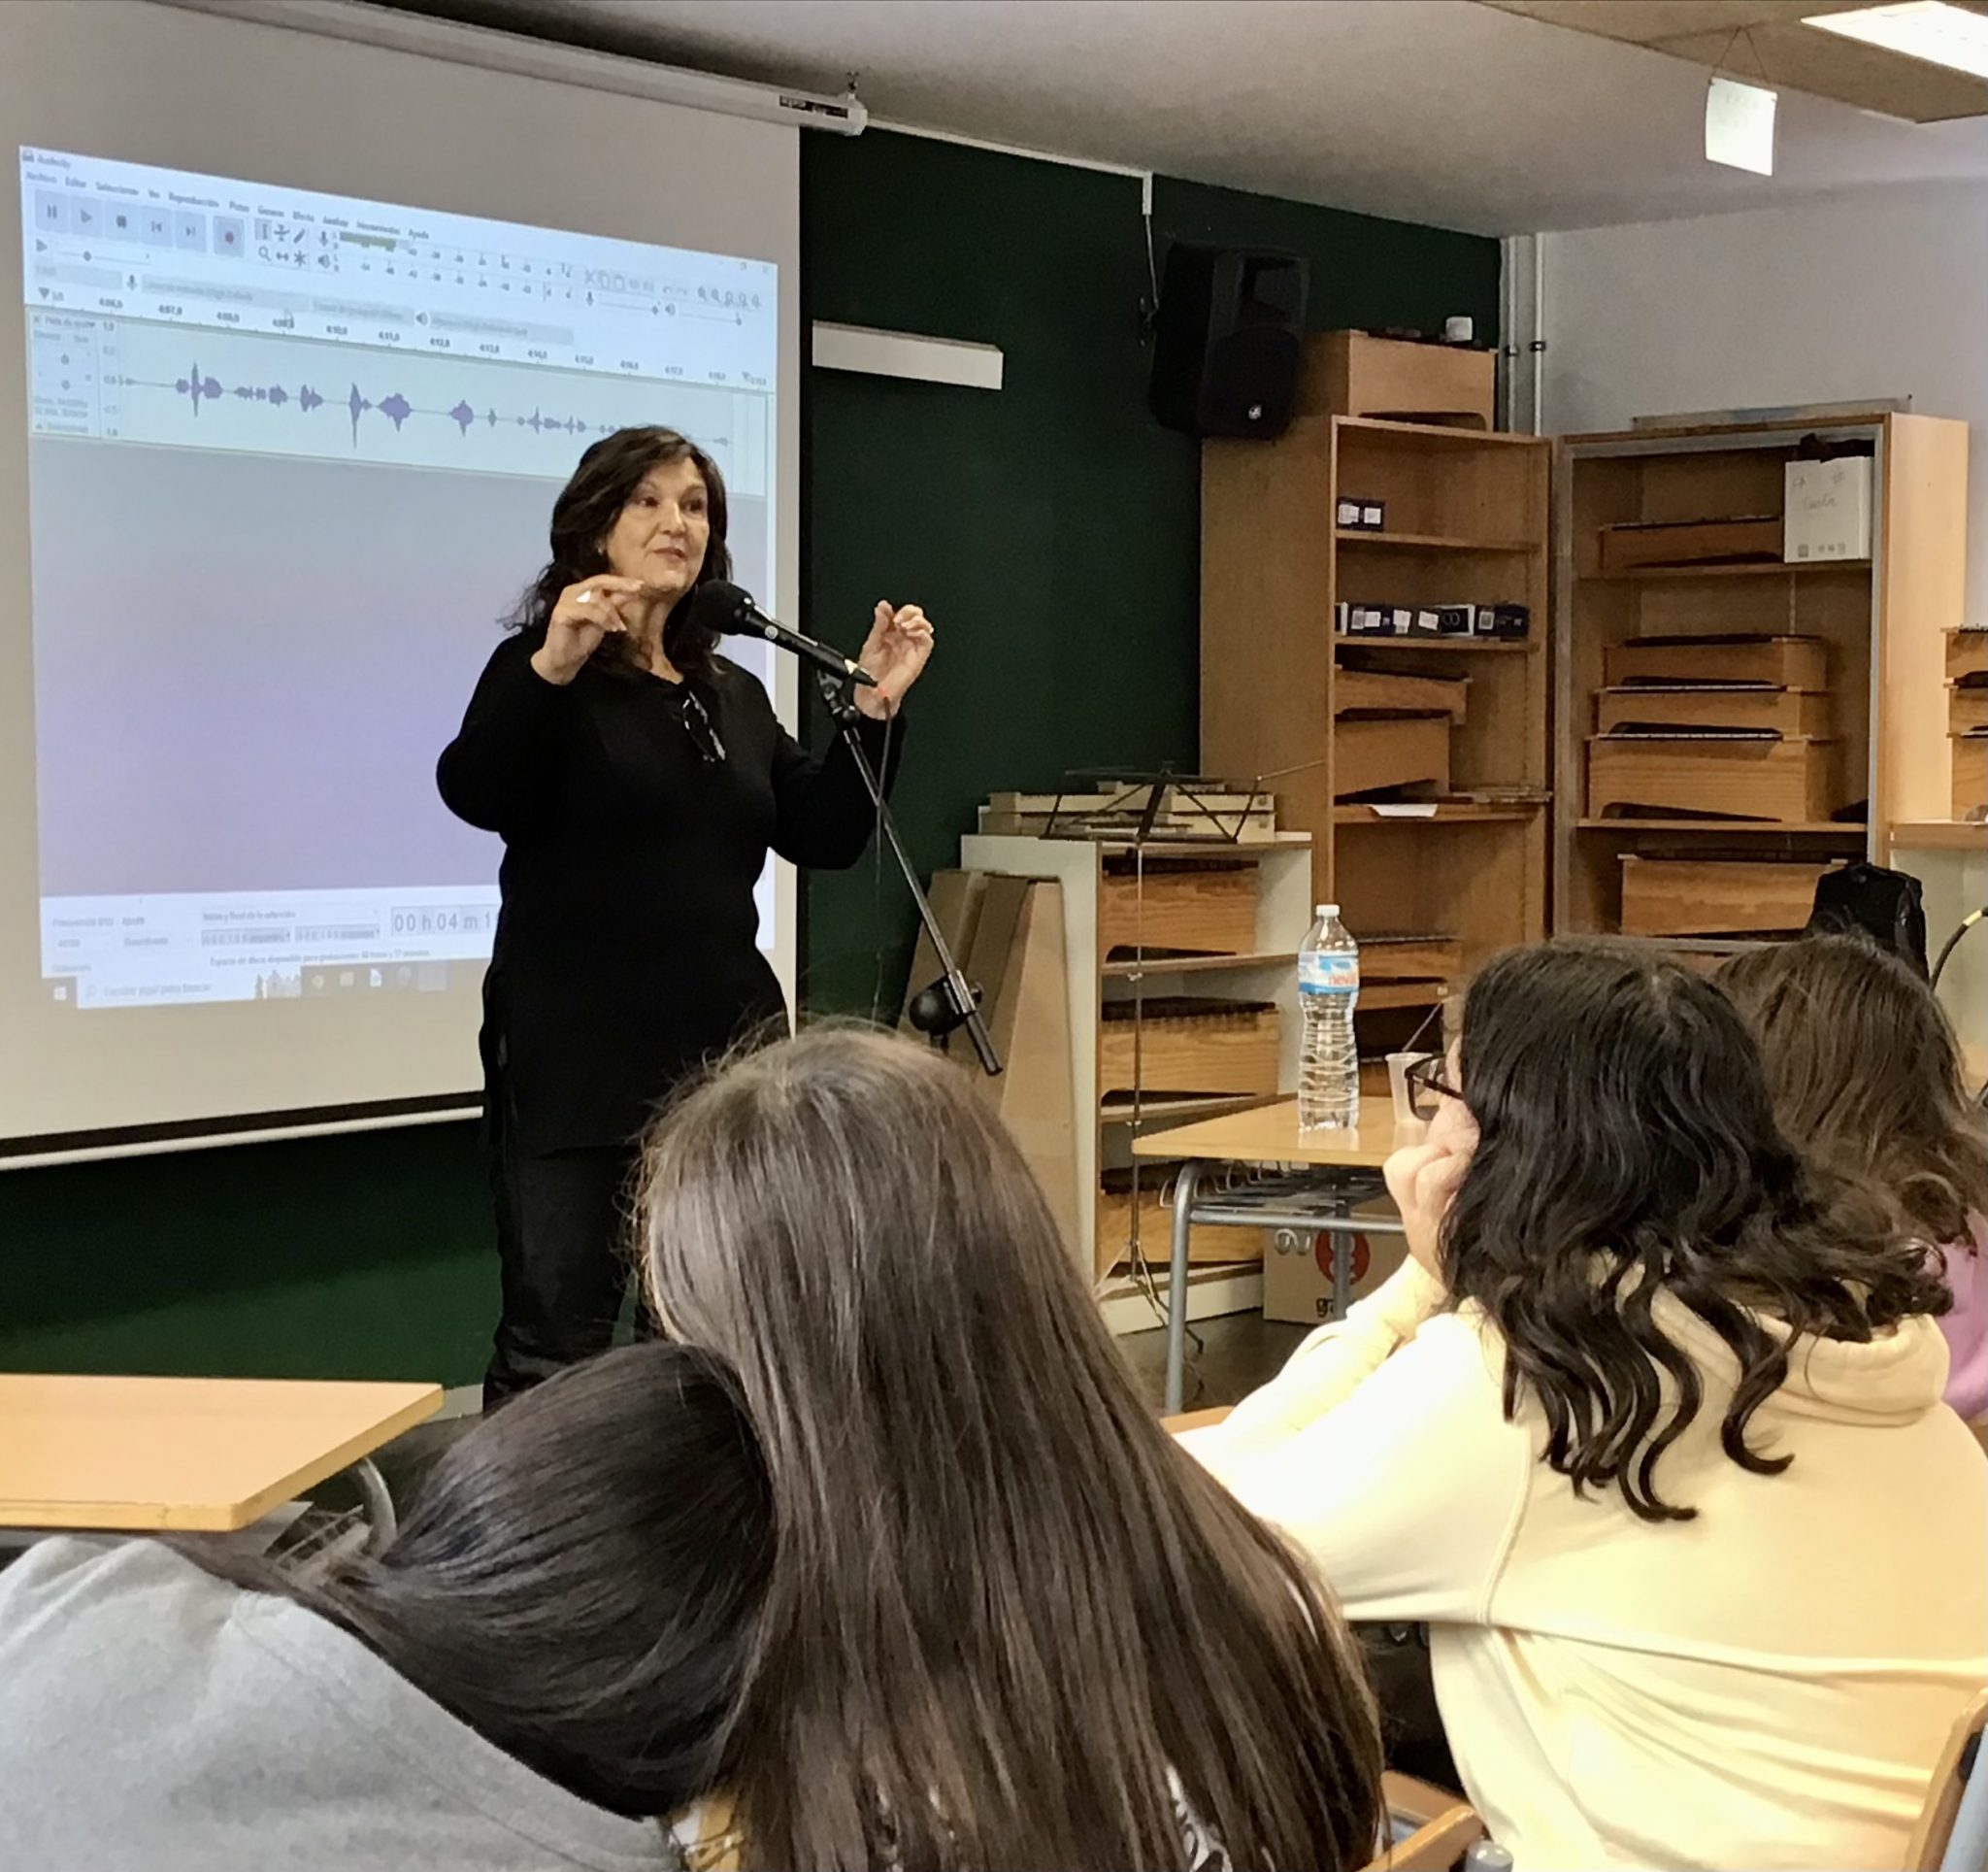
[1328,993]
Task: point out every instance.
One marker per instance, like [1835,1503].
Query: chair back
[1936,1831]
[1446,1826]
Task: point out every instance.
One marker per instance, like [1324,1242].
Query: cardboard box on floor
[1297,1273]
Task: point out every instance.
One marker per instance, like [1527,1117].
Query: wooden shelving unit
[1466,522]
[1251,903]
[1881,620]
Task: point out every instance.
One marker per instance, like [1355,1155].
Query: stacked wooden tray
[1187,1043]
[1716,896]
[1391,731]
[1966,719]
[1713,727]
[1182,905]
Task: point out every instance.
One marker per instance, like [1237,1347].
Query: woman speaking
[637,781]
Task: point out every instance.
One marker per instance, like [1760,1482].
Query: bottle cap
[1326,910]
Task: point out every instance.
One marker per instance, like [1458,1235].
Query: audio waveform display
[198,387]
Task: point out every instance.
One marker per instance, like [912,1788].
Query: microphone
[727,609]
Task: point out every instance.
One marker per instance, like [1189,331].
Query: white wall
[1884,294]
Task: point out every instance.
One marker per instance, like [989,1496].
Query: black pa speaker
[1225,340]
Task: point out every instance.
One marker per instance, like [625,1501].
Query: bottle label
[1326,971]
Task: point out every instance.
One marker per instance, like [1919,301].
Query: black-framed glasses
[1429,1084]
[697,724]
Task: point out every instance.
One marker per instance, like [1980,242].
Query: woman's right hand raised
[587,611]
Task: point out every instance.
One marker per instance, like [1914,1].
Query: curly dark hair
[1627,1146]
[1865,1073]
[585,515]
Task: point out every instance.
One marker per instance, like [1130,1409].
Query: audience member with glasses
[1648,1431]
[637,781]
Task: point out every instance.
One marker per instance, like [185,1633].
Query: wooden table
[1329,1172]
[188,1455]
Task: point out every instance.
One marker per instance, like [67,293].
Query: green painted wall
[1049,529]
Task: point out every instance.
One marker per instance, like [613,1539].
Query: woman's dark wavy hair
[1627,1146]
[585,515]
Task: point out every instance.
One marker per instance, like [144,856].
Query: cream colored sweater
[1766,1686]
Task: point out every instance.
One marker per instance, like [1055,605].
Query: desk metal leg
[1342,1262]
[372,1487]
[1184,1188]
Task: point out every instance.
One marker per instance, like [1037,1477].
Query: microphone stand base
[943,1007]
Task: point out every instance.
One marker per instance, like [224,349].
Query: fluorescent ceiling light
[1928,29]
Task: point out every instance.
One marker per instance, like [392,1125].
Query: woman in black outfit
[637,781]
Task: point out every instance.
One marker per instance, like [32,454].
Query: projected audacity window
[292,459]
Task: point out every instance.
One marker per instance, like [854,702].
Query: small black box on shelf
[1456,621]
[1366,620]
[1357,514]
[1341,618]
[1507,621]
[1425,620]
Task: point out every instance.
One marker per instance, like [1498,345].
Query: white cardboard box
[1828,509]
[1297,1275]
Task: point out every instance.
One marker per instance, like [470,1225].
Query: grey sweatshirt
[155,1719]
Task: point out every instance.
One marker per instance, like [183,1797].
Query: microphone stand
[951,1002]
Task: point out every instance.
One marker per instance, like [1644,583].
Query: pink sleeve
[1964,1267]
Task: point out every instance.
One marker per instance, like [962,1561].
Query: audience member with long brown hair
[1010,1624]
[1866,1074]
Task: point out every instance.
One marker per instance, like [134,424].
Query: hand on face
[895,653]
[1423,1179]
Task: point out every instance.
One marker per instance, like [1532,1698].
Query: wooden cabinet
[1728,708]
[1420,763]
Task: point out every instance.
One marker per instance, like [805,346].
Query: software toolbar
[130,241]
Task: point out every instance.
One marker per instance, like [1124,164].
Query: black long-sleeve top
[625,950]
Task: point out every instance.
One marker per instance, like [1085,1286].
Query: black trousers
[564,1250]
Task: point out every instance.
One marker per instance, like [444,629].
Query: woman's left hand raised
[895,653]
